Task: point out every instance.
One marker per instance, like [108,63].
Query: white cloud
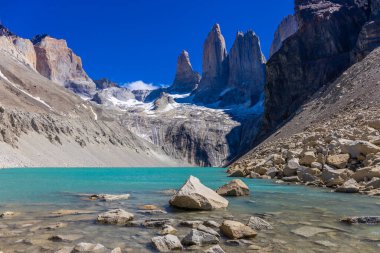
[140,85]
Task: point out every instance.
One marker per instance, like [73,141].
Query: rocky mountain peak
[105,83]
[4,31]
[186,79]
[287,28]
[57,62]
[214,54]
[38,38]
[246,64]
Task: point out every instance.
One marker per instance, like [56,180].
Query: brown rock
[234,188]
[237,230]
[186,79]
[338,161]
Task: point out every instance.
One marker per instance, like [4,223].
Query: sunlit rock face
[57,62]
[287,28]
[19,48]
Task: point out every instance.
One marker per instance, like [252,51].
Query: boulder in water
[194,195]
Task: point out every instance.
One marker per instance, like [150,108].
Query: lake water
[35,193]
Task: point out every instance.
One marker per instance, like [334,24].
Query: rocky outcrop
[287,28]
[19,48]
[57,62]
[194,195]
[105,83]
[186,79]
[113,96]
[246,75]
[163,103]
[314,56]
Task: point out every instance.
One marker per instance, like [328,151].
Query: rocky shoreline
[346,160]
[214,234]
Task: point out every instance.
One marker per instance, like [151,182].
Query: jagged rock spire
[247,67]
[214,54]
[186,79]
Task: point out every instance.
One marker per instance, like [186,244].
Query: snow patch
[95,115]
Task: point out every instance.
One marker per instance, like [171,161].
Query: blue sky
[129,40]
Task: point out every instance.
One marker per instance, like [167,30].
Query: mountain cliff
[287,28]
[315,55]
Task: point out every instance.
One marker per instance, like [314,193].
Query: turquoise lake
[35,193]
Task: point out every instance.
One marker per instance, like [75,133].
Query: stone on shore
[257,223]
[167,243]
[338,161]
[168,230]
[200,238]
[65,238]
[235,188]
[208,230]
[215,249]
[194,195]
[237,230]
[358,148]
[350,186]
[116,216]
[366,173]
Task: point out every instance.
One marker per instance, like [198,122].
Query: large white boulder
[194,195]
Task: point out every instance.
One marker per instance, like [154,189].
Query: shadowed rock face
[287,28]
[312,57]
[105,83]
[186,79]
[246,70]
[58,63]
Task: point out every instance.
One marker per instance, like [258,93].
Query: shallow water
[34,193]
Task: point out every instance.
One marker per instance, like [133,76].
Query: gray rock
[357,148]
[214,249]
[200,238]
[167,243]
[258,223]
[208,230]
[190,223]
[362,220]
[117,216]
[210,223]
[65,238]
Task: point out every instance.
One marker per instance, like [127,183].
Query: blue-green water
[34,193]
